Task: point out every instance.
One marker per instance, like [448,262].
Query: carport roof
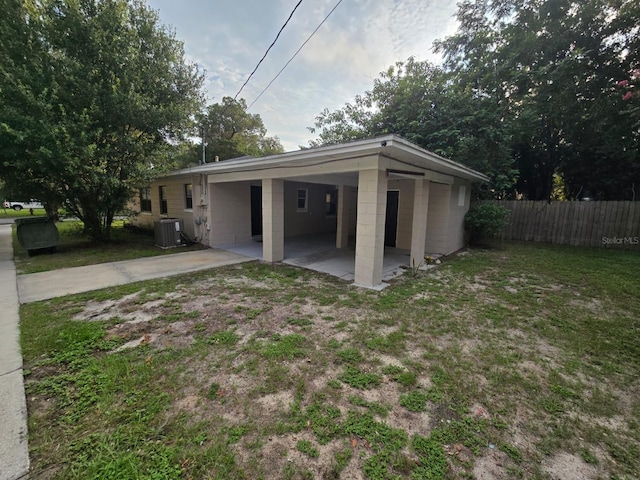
[391,146]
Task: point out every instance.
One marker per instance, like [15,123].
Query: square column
[372,205]
[419,224]
[272,220]
[344,200]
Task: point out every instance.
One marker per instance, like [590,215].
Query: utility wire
[294,55]
[224,110]
[270,46]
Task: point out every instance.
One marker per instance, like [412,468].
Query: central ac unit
[168,232]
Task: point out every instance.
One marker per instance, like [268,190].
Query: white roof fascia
[290,170]
[438,164]
[391,146]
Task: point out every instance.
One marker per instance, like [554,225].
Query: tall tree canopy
[231,131]
[425,104]
[527,93]
[91,92]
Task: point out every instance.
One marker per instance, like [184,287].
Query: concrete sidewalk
[57,283]
[14,452]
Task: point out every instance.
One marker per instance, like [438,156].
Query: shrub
[485,220]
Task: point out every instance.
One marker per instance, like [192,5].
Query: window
[188,196]
[302,205]
[163,200]
[145,199]
[331,201]
[462,195]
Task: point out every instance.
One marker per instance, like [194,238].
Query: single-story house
[374,192]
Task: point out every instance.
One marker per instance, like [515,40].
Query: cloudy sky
[360,39]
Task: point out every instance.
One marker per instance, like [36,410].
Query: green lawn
[76,249]
[522,362]
[11,213]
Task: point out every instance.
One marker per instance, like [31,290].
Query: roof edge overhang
[390,146]
[439,164]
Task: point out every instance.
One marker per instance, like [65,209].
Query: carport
[367,193]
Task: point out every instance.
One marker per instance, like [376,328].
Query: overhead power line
[294,55]
[270,46]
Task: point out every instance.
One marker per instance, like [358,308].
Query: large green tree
[554,65]
[25,83]
[430,107]
[102,88]
[230,131]
[526,93]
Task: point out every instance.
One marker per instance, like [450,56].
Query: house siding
[139,218]
[438,219]
[456,215]
[227,211]
[230,213]
[315,219]
[176,205]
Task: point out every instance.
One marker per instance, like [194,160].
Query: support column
[272,220]
[342,234]
[372,205]
[419,224]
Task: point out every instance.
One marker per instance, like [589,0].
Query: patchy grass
[76,249]
[514,363]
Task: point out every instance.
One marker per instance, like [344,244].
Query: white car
[19,205]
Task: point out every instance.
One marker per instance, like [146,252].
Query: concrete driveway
[57,283]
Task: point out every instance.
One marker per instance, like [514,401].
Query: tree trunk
[97,225]
[51,210]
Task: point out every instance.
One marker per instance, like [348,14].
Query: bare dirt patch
[566,466]
[491,466]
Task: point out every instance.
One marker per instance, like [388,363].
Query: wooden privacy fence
[589,224]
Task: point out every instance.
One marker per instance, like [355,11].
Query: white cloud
[359,40]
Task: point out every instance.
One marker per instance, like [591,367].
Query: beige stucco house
[374,192]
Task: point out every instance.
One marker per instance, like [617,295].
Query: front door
[256,210]
[391,223]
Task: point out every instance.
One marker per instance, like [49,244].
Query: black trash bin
[37,233]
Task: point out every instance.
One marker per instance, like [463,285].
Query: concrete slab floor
[294,247]
[319,253]
[341,263]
